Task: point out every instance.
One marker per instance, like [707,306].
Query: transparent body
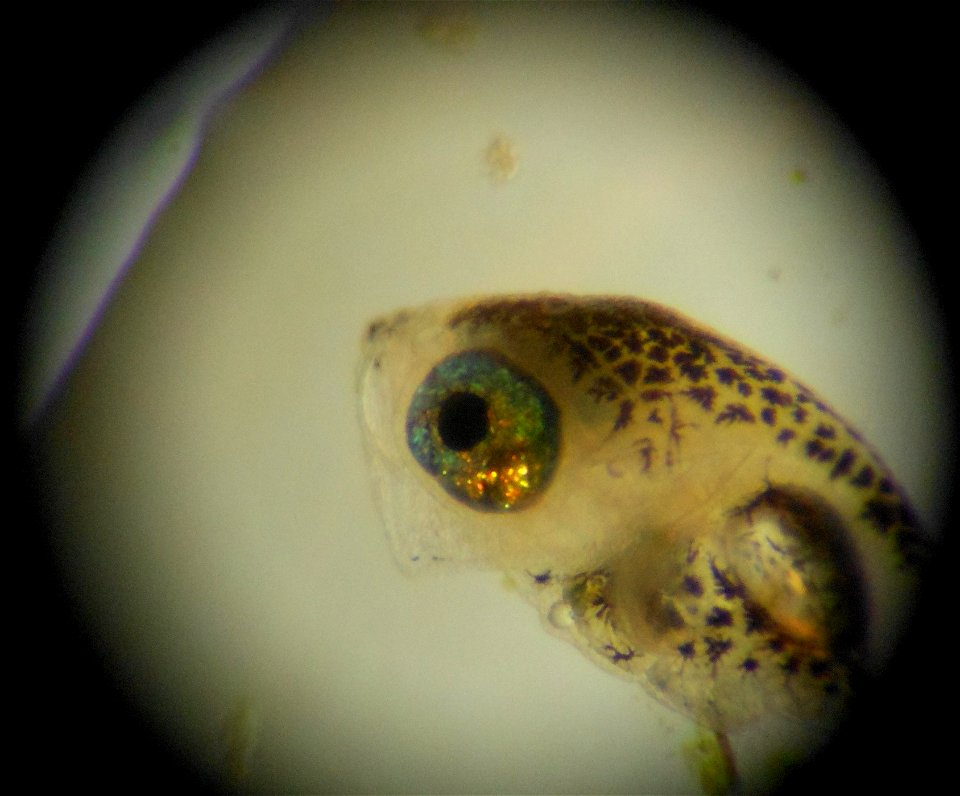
[197,431]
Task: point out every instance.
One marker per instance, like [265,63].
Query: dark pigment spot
[864,478]
[774,396]
[719,617]
[624,415]
[717,647]
[657,375]
[725,586]
[629,372]
[843,464]
[735,413]
[702,395]
[785,436]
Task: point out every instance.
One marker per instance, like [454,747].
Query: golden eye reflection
[703,524]
[489,433]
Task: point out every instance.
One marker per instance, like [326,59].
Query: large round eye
[488,433]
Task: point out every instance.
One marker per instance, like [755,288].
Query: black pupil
[463,421]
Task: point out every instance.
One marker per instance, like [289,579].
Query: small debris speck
[501,159]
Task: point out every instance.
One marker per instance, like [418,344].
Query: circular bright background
[189,382]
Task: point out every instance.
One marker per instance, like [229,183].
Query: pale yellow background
[217,523]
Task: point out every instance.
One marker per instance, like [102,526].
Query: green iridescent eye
[488,432]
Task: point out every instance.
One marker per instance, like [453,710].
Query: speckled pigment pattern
[709,529]
[657,373]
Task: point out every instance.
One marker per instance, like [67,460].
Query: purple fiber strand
[214,109]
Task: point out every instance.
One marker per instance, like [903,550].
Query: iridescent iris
[489,433]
